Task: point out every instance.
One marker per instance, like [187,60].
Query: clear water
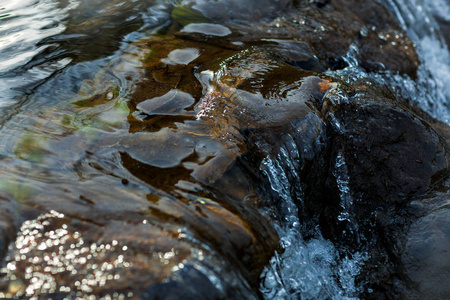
[46,54]
[48,47]
[21,30]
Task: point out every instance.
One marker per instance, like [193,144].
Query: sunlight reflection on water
[24,24]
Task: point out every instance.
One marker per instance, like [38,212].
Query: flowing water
[312,269]
[418,19]
[50,50]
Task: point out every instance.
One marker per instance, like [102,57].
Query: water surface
[83,137]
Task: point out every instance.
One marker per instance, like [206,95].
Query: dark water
[77,132]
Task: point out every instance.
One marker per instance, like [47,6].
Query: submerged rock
[235,10]
[152,181]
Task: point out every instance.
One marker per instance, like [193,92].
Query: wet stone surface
[155,180]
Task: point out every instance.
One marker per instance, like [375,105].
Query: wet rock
[382,156]
[426,243]
[235,10]
[382,43]
[8,222]
[427,254]
[135,254]
[329,33]
[343,30]
[391,154]
[154,174]
[296,53]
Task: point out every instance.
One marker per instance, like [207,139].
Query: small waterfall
[431,91]
[416,17]
[312,268]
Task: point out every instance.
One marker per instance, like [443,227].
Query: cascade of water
[431,90]
[307,269]
[416,18]
[311,269]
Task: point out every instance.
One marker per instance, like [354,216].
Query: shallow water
[68,132]
[49,47]
[24,25]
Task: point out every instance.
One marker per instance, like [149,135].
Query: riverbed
[147,147]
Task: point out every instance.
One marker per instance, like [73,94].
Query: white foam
[431,90]
[306,269]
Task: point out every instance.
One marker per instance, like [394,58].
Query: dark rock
[381,156]
[390,153]
[382,43]
[366,31]
[426,256]
[295,53]
[235,10]
[8,222]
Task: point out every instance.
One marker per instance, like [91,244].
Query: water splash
[431,91]
[306,269]
[340,172]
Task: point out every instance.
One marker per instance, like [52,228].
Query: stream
[147,149]
[313,269]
